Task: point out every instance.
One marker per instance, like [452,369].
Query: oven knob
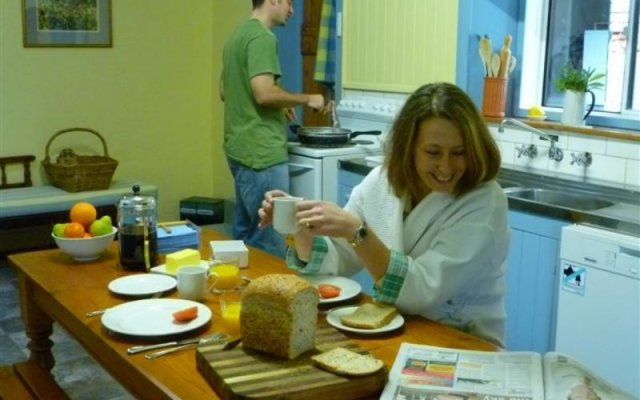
[376,107]
[360,105]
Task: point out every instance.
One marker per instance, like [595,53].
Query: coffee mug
[193,282]
[284,214]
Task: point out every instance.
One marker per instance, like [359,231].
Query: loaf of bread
[279,315]
[346,362]
[370,316]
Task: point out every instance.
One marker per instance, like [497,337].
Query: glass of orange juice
[226,274]
[230,306]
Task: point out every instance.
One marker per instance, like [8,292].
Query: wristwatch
[360,234]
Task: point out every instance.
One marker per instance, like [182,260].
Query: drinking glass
[226,274]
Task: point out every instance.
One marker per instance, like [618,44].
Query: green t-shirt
[254,135]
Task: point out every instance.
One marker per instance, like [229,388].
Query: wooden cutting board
[242,373]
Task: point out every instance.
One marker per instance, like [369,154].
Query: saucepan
[327,136]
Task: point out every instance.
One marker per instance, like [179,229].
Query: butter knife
[147,347]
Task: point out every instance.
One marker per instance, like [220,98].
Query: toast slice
[342,361]
[370,316]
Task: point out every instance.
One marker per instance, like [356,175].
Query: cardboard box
[235,248]
[202,210]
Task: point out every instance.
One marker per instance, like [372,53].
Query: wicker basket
[75,173]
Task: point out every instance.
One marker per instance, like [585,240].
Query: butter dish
[231,248]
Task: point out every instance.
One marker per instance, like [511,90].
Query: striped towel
[325,71]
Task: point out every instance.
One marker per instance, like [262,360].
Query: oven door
[305,177]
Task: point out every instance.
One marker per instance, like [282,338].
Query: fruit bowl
[85,249]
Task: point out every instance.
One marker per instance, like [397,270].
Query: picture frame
[66,23]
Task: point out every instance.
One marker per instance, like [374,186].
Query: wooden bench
[27,380]
[28,213]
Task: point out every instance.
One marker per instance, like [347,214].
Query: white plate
[333,318]
[162,268]
[142,284]
[152,317]
[537,117]
[348,287]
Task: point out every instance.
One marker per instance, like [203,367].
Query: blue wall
[495,18]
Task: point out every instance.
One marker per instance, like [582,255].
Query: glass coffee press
[137,220]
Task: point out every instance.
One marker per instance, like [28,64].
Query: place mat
[242,373]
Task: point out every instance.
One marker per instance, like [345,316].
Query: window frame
[530,90]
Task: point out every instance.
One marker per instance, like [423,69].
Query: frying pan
[327,136]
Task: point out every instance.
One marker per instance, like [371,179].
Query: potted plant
[576,83]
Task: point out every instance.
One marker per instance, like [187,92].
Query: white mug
[193,282]
[284,214]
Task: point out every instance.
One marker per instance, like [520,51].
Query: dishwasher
[598,316]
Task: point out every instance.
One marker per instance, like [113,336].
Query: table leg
[37,323]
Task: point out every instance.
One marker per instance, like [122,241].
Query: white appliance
[314,170]
[598,319]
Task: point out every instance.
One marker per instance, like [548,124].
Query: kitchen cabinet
[531,281]
[347,180]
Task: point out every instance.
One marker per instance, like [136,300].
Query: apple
[100,227]
[58,230]
[107,220]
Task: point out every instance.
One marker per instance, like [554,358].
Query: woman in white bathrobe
[430,224]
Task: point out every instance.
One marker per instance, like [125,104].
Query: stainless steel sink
[558,198]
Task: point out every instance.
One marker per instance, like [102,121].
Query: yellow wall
[398,45]
[153,96]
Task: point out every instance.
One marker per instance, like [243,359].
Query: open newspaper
[434,373]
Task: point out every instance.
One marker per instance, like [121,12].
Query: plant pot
[573,110]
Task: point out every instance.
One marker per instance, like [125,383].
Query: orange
[74,230]
[83,213]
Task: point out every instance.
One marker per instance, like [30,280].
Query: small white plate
[537,117]
[153,317]
[333,318]
[142,284]
[162,268]
[348,287]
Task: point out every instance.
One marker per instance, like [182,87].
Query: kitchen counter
[622,216]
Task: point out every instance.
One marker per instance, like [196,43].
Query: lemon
[536,111]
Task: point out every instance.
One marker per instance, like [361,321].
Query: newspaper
[423,372]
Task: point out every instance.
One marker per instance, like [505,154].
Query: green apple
[107,220]
[58,230]
[100,227]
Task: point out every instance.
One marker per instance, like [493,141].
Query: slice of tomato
[328,291]
[186,314]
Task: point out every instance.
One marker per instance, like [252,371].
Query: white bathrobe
[453,252]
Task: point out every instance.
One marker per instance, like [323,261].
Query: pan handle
[295,128]
[354,134]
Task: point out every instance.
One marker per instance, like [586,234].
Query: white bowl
[85,249]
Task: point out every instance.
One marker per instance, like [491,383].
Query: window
[600,34]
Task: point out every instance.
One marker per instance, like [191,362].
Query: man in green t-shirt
[255,108]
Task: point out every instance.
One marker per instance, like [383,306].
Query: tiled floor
[75,370]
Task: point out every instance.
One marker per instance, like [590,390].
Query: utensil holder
[494,97]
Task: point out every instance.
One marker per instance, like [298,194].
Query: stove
[314,170]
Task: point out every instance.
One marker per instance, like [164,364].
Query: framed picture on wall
[66,23]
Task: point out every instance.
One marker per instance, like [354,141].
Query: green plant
[578,80]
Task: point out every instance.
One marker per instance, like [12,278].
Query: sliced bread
[370,316]
[342,361]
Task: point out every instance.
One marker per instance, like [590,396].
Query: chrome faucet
[530,151]
[555,153]
[582,159]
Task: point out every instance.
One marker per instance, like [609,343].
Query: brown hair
[449,102]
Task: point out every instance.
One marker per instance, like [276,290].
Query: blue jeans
[250,187]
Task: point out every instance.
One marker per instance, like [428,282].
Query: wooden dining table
[55,288]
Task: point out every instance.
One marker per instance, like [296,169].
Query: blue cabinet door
[531,282]
[347,180]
